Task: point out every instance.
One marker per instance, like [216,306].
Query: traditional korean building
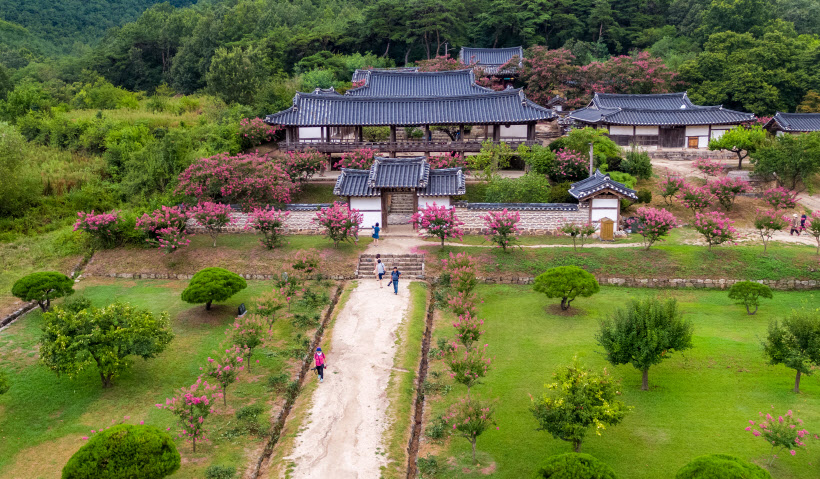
[666,120]
[603,195]
[491,59]
[333,123]
[782,123]
[393,189]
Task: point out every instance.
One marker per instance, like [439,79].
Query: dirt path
[347,417]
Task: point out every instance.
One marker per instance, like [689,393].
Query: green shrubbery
[530,188]
[721,466]
[574,465]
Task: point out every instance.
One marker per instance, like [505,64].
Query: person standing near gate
[319,359]
[376,230]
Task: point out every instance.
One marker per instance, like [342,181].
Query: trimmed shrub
[43,287]
[125,451]
[213,284]
[530,188]
[625,178]
[748,293]
[220,472]
[559,193]
[722,466]
[637,164]
[567,283]
[574,465]
[644,196]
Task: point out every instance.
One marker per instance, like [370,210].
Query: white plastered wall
[620,130]
[514,131]
[647,130]
[371,209]
[605,208]
[425,201]
[310,133]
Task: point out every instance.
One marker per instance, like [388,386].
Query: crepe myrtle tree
[341,223]
[43,287]
[501,227]
[767,223]
[212,216]
[748,293]
[795,343]
[439,222]
[644,333]
[715,227]
[813,227]
[567,283]
[653,224]
[213,284]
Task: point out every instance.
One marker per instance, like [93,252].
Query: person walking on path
[379,271]
[319,359]
[376,230]
[803,222]
[795,227]
[394,279]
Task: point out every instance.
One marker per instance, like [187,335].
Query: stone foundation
[532,222]
[783,284]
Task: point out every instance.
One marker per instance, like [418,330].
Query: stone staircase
[401,208]
[411,266]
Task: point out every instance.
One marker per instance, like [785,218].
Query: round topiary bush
[125,451]
[574,465]
[721,466]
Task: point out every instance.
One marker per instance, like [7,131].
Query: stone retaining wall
[532,222]
[186,276]
[297,223]
[783,284]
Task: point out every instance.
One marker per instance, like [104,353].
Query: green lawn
[43,417]
[315,193]
[699,403]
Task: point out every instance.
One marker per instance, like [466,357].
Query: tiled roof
[489,57]
[711,115]
[306,206]
[597,182]
[359,75]
[796,122]
[521,206]
[445,182]
[659,101]
[510,106]
[324,91]
[399,173]
[354,183]
[418,84]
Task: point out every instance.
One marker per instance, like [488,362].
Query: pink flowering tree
[695,198]
[192,406]
[469,418]
[725,190]
[438,222]
[467,365]
[670,186]
[548,73]
[813,227]
[653,224]
[447,160]
[269,222]
[103,228]
[568,165]
[579,233]
[251,180]
[254,131]
[501,227]
[249,332]
[468,329]
[780,198]
[715,227]
[212,216]
[165,228]
[784,433]
[462,304]
[226,369]
[360,159]
[459,271]
[341,223]
[302,165]
[633,74]
[708,167]
[767,223]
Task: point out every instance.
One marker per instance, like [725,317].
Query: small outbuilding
[393,189]
[603,195]
[782,123]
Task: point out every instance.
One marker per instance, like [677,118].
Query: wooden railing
[341,146]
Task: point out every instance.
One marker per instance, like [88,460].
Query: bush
[213,284]
[428,466]
[125,451]
[559,193]
[530,188]
[538,158]
[220,472]
[43,287]
[375,133]
[637,164]
[644,196]
[278,383]
[721,466]
[748,293]
[574,465]
[625,178]
[567,283]
[569,165]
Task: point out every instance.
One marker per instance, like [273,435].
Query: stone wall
[297,223]
[533,222]
[783,284]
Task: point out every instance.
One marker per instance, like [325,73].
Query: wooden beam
[461,133]
[427,133]
[530,131]
[360,133]
[496,133]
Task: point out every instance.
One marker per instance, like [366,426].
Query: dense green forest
[98,117]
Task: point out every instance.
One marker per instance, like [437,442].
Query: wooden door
[692,142]
[672,137]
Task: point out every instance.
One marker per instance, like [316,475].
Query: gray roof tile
[520,206]
[795,122]
[412,173]
[445,182]
[360,75]
[658,101]
[418,84]
[598,182]
[489,58]
[509,106]
[712,115]
[354,183]
[399,173]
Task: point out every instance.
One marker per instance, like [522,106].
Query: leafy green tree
[236,75]
[538,158]
[213,284]
[578,140]
[748,293]
[582,399]
[723,466]
[125,451]
[104,337]
[20,187]
[795,343]
[736,15]
[491,158]
[5,83]
[795,159]
[741,141]
[567,283]
[43,287]
[574,465]
[644,333]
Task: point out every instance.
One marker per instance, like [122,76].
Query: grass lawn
[699,400]
[315,193]
[43,417]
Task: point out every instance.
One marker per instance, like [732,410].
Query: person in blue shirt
[376,230]
[394,278]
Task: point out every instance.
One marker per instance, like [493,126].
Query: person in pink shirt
[319,358]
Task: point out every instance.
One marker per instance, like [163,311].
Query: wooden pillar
[295,134]
[461,132]
[530,131]
[327,134]
[427,133]
[360,134]
[634,135]
[393,140]
[288,136]
[496,133]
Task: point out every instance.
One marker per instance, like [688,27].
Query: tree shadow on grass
[555,310]
[198,316]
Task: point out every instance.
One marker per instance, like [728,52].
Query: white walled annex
[425,201]
[604,208]
[371,209]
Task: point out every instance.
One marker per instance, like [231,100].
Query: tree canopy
[567,283]
[795,342]
[213,284]
[43,287]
